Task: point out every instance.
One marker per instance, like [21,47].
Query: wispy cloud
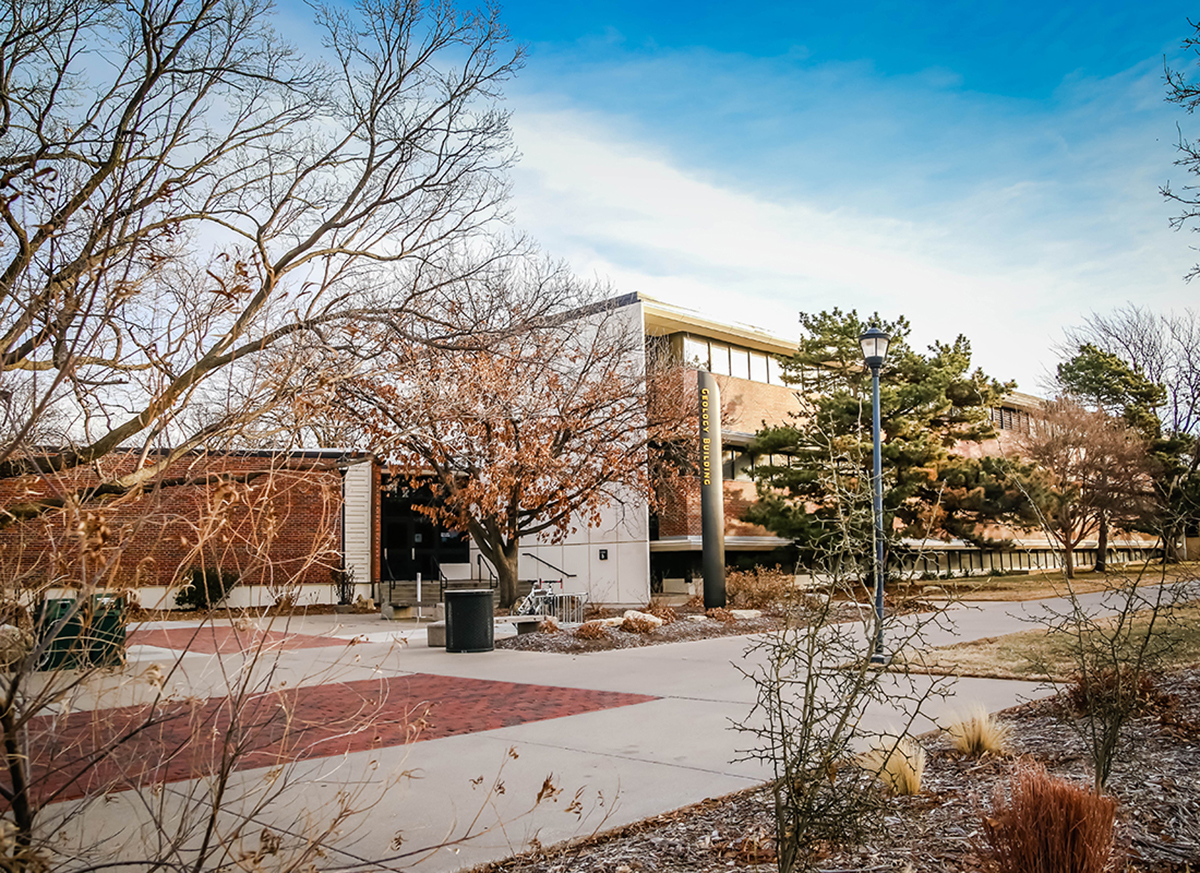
[1004,220]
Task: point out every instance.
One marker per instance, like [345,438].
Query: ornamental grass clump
[591,630]
[978,734]
[898,764]
[1048,825]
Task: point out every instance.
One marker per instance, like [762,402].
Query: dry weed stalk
[1119,645]
[759,587]
[591,630]
[637,624]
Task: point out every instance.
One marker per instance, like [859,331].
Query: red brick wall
[745,407]
[281,527]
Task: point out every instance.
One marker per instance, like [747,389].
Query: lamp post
[874,344]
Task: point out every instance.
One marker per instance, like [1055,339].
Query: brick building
[275,520]
[291,518]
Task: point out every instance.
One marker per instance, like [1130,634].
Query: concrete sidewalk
[614,765]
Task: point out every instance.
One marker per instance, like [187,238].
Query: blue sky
[984,168]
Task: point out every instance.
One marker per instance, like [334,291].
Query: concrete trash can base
[470,623]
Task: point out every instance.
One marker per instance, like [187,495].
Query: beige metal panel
[358,519]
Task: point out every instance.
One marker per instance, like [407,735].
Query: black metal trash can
[470,624]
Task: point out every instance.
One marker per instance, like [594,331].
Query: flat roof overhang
[741,544]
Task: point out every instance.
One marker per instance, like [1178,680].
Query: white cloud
[1007,263]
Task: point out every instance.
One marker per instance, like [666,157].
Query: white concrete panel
[610,520]
[246,596]
[552,556]
[582,535]
[635,526]
[633,562]
[457,572]
[603,584]
[576,560]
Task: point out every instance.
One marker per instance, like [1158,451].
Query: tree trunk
[1102,544]
[1069,560]
[506,572]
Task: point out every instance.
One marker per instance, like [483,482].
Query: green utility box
[74,634]
[106,634]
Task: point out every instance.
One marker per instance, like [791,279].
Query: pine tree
[933,408]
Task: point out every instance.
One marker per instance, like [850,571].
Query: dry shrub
[591,630]
[661,610]
[548,625]
[759,587]
[637,624]
[721,614]
[1049,825]
[978,734]
[899,764]
[1128,690]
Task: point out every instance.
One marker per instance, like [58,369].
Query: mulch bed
[564,641]
[683,628]
[1156,782]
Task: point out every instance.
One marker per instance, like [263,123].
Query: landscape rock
[643,616]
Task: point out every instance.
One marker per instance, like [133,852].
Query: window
[774,371]
[1007,418]
[695,352]
[718,358]
[758,366]
[730,360]
[739,362]
[737,466]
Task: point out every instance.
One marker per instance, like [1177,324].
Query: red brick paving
[186,740]
[226,639]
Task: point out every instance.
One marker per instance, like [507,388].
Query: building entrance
[411,543]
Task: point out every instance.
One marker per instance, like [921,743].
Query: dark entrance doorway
[411,542]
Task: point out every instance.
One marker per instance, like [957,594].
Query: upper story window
[731,360]
[1008,418]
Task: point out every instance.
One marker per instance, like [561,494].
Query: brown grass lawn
[1040,584]
[1039,655]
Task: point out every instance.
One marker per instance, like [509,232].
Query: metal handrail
[548,564]
[493,580]
[480,563]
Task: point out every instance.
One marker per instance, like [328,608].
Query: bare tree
[1089,466]
[1161,349]
[182,192]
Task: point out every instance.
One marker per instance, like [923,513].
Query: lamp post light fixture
[874,344]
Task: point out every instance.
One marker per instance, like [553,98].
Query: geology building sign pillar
[712,499]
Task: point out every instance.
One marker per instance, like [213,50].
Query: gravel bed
[1156,783]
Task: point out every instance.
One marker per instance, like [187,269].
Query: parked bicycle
[541,599]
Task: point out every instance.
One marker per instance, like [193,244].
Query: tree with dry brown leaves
[533,434]
[1089,466]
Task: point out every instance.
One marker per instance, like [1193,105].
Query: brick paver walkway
[185,740]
